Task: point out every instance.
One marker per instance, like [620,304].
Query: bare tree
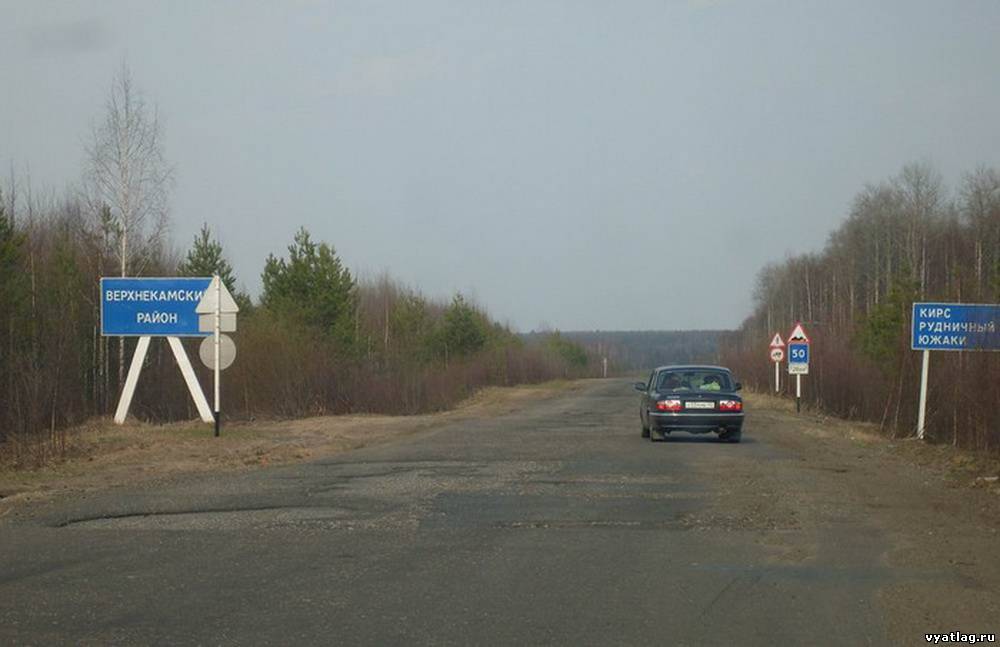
[128,174]
[981,206]
[12,193]
[128,179]
[922,192]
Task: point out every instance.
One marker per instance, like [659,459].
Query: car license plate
[699,405]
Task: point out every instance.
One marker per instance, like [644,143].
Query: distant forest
[906,239]
[631,351]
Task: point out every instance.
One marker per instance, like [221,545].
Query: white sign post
[187,371]
[777,354]
[214,303]
[798,360]
[951,327]
[147,307]
[922,414]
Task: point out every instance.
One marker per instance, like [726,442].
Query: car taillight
[730,405]
[669,405]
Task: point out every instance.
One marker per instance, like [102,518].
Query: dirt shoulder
[935,510]
[957,467]
[101,454]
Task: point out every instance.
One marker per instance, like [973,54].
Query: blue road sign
[798,353]
[158,307]
[955,326]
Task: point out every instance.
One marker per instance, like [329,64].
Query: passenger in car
[711,383]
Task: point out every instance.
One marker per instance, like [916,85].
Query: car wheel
[656,436]
[645,427]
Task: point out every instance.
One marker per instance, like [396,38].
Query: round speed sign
[777,354]
[227,352]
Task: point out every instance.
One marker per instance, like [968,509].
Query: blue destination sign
[157,307]
[955,326]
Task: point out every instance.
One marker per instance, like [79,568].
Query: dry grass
[960,467]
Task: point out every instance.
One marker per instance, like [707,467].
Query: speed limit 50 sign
[798,359]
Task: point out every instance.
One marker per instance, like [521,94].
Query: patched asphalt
[556,524]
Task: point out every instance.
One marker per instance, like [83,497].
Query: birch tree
[128,179]
[128,175]
[981,207]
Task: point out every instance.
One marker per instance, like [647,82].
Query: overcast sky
[586,165]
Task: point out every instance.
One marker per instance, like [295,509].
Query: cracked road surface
[555,524]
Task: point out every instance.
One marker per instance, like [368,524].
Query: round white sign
[777,354]
[227,351]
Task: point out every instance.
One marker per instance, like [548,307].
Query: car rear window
[693,380]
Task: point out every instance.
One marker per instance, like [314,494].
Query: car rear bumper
[696,423]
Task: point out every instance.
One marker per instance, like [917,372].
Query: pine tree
[205,258]
[312,286]
[882,332]
[464,329]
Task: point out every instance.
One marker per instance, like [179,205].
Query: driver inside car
[672,383]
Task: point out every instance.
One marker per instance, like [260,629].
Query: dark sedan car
[695,399]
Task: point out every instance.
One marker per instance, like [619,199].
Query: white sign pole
[141,349]
[777,354]
[922,415]
[191,379]
[133,378]
[218,326]
[798,393]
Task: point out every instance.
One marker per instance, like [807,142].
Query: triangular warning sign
[208,297]
[798,335]
[776,342]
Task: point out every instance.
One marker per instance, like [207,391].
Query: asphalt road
[556,524]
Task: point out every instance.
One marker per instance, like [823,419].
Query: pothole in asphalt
[835,469]
[580,524]
[213,519]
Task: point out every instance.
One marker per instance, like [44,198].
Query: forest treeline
[906,239]
[632,351]
[318,340]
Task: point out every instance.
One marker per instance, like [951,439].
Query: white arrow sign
[217,291]
[206,309]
